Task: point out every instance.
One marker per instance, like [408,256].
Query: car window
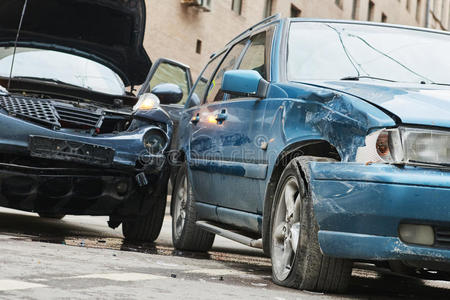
[214,92]
[169,73]
[333,51]
[202,81]
[255,56]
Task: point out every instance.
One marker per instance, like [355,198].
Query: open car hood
[110,32]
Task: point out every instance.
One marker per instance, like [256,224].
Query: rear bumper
[359,209]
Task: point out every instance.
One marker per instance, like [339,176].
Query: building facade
[191,30]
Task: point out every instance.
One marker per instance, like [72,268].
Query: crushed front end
[60,156]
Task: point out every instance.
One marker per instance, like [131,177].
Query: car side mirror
[168,93]
[246,83]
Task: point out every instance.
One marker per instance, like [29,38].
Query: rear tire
[51,216]
[297,260]
[186,235]
[146,228]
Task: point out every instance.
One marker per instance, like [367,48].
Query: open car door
[169,71]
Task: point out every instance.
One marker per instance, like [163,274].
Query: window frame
[227,50]
[202,98]
[270,39]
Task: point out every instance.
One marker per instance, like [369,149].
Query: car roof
[369,23]
[276,18]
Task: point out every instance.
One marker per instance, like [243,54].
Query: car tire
[186,235]
[296,257]
[51,216]
[146,228]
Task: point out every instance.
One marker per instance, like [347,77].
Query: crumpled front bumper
[127,146]
[359,209]
[125,185]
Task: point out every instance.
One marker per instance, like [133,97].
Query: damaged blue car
[74,139]
[322,142]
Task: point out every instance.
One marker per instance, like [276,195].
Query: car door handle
[195,119]
[222,116]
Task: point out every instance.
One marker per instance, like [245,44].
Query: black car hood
[110,32]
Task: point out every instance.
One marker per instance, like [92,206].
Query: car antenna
[15,43]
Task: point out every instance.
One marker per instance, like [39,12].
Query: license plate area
[59,149]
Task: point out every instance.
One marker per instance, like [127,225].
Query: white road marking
[217,272]
[9,285]
[122,276]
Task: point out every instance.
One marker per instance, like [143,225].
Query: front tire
[186,235]
[297,260]
[146,228]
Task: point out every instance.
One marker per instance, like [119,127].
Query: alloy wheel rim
[286,229]
[180,207]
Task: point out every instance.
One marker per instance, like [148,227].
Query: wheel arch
[319,148]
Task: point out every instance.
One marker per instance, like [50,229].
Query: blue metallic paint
[128,145]
[417,104]
[375,199]
[358,207]
[371,247]
[241,82]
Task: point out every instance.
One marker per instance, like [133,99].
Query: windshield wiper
[438,83]
[49,80]
[357,78]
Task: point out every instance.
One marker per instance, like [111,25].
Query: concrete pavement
[38,260]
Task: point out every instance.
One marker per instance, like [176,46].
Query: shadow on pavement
[367,280]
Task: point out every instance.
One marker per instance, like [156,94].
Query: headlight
[155,140]
[406,145]
[146,101]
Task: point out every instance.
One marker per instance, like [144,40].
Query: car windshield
[336,51]
[60,67]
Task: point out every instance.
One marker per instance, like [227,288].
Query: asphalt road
[80,257]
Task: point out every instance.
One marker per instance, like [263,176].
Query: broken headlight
[156,141]
[147,101]
[405,145]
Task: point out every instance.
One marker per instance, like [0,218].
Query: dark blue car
[322,142]
[73,138]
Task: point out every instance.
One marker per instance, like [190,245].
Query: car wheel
[185,234]
[51,216]
[296,257]
[146,228]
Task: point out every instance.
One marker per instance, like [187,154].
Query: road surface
[79,257]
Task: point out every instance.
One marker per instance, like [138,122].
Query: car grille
[33,109]
[80,117]
[442,237]
[51,113]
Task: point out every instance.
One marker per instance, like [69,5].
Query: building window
[408,5]
[383,18]
[268,8]
[418,10]
[355,10]
[236,6]
[371,11]
[295,11]
[338,3]
[198,47]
